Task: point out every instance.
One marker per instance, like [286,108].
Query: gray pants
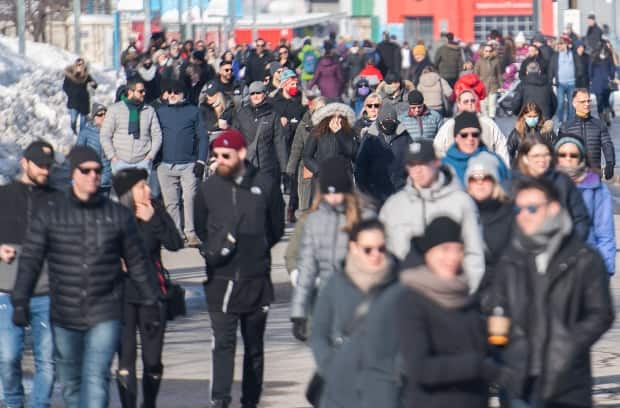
[171,178]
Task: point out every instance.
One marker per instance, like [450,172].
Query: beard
[40,180]
[228,172]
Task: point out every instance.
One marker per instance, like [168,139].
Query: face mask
[390,89]
[292,90]
[363,90]
[389,126]
[603,56]
[531,122]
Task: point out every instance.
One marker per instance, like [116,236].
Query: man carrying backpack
[309,58]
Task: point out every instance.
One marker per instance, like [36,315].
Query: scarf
[133,128]
[363,276]
[448,293]
[575,173]
[545,242]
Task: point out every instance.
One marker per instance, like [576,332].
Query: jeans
[83,360]
[11,350]
[565,90]
[172,177]
[488,105]
[74,113]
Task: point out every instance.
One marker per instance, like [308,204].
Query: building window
[505,24]
[418,29]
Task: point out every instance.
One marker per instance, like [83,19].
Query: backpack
[309,62]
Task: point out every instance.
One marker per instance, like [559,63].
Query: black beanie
[82,154]
[466,120]
[124,180]
[415,98]
[439,231]
[335,176]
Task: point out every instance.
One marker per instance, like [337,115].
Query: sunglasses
[481,177]
[571,155]
[100,114]
[225,156]
[87,171]
[373,105]
[256,93]
[174,91]
[474,135]
[531,209]
[369,250]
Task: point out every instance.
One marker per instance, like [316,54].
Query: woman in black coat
[156,229]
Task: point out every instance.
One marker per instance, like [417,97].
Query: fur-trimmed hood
[331,109]
[74,76]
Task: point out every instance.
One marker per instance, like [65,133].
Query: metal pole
[180,8]
[612,26]
[231,16]
[254,15]
[21,26]
[147,23]
[77,32]
[117,40]
[200,29]
[188,21]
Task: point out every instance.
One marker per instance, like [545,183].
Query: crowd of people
[433,258]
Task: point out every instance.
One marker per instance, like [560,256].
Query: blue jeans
[11,350]
[74,113]
[565,90]
[83,360]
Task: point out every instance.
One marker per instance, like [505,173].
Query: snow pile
[32,102]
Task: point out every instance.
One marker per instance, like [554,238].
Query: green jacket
[307,48]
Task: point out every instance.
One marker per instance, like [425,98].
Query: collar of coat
[74,76]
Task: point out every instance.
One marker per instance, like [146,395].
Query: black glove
[199,170]
[609,170]
[300,328]
[495,373]
[21,313]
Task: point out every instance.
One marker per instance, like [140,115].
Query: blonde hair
[373,95]
[352,212]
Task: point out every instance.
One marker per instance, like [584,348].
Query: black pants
[150,321]
[224,326]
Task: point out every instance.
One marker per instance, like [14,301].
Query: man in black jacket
[389,52]
[556,292]
[594,35]
[535,88]
[256,67]
[593,131]
[225,83]
[19,200]
[86,239]
[239,214]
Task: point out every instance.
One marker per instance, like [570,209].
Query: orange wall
[460,13]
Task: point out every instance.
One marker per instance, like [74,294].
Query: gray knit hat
[484,164]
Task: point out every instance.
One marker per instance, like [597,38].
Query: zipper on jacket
[234,203]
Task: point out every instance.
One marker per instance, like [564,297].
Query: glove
[609,170]
[21,313]
[199,170]
[300,329]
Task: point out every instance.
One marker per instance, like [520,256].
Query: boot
[150,389]
[127,389]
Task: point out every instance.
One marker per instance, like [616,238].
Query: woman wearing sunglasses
[535,160]
[371,107]
[572,160]
[467,144]
[354,337]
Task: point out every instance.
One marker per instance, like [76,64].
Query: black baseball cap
[421,151]
[40,153]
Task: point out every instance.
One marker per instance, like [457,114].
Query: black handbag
[174,296]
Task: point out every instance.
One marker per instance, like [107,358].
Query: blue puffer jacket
[425,126]
[184,138]
[602,234]
[458,161]
[89,136]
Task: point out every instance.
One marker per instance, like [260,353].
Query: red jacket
[470,82]
[371,70]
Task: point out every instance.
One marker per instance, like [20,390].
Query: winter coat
[442,350]
[328,77]
[116,140]
[424,126]
[407,213]
[535,88]
[390,58]
[89,136]
[582,71]
[514,140]
[491,136]
[361,369]
[599,203]
[489,71]
[601,72]
[416,72]
[552,70]
[542,63]
[380,165]
[152,82]
[256,67]
[295,162]
[400,99]
[83,243]
[470,81]
[597,138]
[355,63]
[449,61]
[579,310]
[434,88]
[262,130]
[593,38]
[458,160]
[306,76]
[254,209]
[76,88]
[321,253]
[184,136]
[19,204]
[318,149]
[210,119]
[156,233]
[291,109]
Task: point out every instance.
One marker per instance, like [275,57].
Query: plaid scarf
[133,127]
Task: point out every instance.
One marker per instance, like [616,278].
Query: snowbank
[32,103]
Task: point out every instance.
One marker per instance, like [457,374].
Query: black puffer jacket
[255,209]
[597,137]
[262,130]
[535,88]
[579,310]
[83,243]
[329,145]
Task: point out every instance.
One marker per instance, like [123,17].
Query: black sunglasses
[531,209]
[571,155]
[465,135]
[373,105]
[100,114]
[174,91]
[224,156]
[369,250]
[87,171]
[256,93]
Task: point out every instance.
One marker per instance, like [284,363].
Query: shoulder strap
[361,311]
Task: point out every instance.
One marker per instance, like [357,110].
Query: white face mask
[602,55]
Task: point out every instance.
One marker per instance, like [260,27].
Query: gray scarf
[545,243]
[449,293]
[575,173]
[363,276]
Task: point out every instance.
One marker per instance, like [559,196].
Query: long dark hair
[521,126]
[322,128]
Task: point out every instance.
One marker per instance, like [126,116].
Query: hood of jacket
[429,79]
[470,79]
[452,47]
[535,79]
[373,130]
[76,77]
[458,156]
[147,74]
